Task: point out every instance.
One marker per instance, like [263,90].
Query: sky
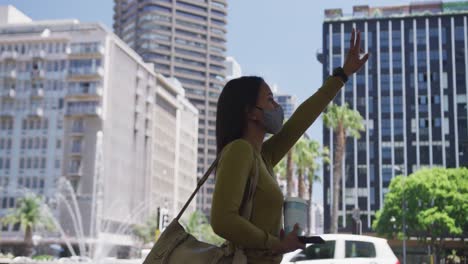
[275,39]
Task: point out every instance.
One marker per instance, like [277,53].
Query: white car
[342,248]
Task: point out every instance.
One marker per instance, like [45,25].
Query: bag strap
[246,206]
[199,185]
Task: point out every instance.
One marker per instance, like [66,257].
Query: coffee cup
[295,211]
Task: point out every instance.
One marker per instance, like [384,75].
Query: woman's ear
[251,115]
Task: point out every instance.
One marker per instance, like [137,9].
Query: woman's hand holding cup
[288,243]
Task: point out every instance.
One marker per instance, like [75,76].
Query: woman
[246,112]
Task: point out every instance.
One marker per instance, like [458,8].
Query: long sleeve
[278,145]
[234,168]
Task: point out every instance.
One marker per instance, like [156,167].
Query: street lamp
[403,213]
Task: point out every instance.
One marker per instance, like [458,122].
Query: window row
[26,48]
[33,163]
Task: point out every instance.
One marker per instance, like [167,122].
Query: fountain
[65,195]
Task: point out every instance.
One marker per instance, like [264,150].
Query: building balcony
[75,172]
[7,112]
[85,51]
[139,109]
[36,112]
[37,93]
[38,54]
[84,111]
[78,130]
[8,93]
[139,91]
[150,99]
[75,151]
[38,74]
[8,74]
[86,73]
[9,55]
[84,92]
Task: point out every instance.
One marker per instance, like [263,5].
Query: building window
[399,154]
[336,40]
[386,176]
[74,166]
[386,127]
[43,163]
[385,104]
[459,33]
[386,152]
[398,127]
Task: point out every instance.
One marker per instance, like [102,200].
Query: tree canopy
[436,205]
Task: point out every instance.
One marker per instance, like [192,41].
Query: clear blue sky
[276,39]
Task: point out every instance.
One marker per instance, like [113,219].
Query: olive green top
[236,165]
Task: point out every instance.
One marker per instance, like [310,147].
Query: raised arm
[232,174]
[278,145]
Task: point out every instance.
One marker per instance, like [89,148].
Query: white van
[343,248]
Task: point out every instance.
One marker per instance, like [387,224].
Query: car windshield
[317,251]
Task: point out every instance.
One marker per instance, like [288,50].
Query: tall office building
[185,39]
[412,94]
[287,102]
[77,104]
[233,68]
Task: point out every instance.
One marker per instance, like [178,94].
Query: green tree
[344,122]
[436,206]
[29,214]
[197,225]
[147,231]
[307,159]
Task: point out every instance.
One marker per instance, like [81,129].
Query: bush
[43,257]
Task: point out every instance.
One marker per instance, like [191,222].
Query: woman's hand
[288,243]
[353,62]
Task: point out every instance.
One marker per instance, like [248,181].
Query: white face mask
[273,119]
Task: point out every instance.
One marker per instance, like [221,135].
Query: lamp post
[403,213]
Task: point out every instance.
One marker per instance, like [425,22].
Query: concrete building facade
[185,39]
[85,120]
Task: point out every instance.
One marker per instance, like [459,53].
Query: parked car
[342,248]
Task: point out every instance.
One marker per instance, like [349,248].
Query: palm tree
[302,158]
[344,122]
[289,172]
[307,155]
[30,216]
[284,171]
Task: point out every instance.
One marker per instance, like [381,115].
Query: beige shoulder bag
[176,246]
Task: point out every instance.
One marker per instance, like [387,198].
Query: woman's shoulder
[238,147]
